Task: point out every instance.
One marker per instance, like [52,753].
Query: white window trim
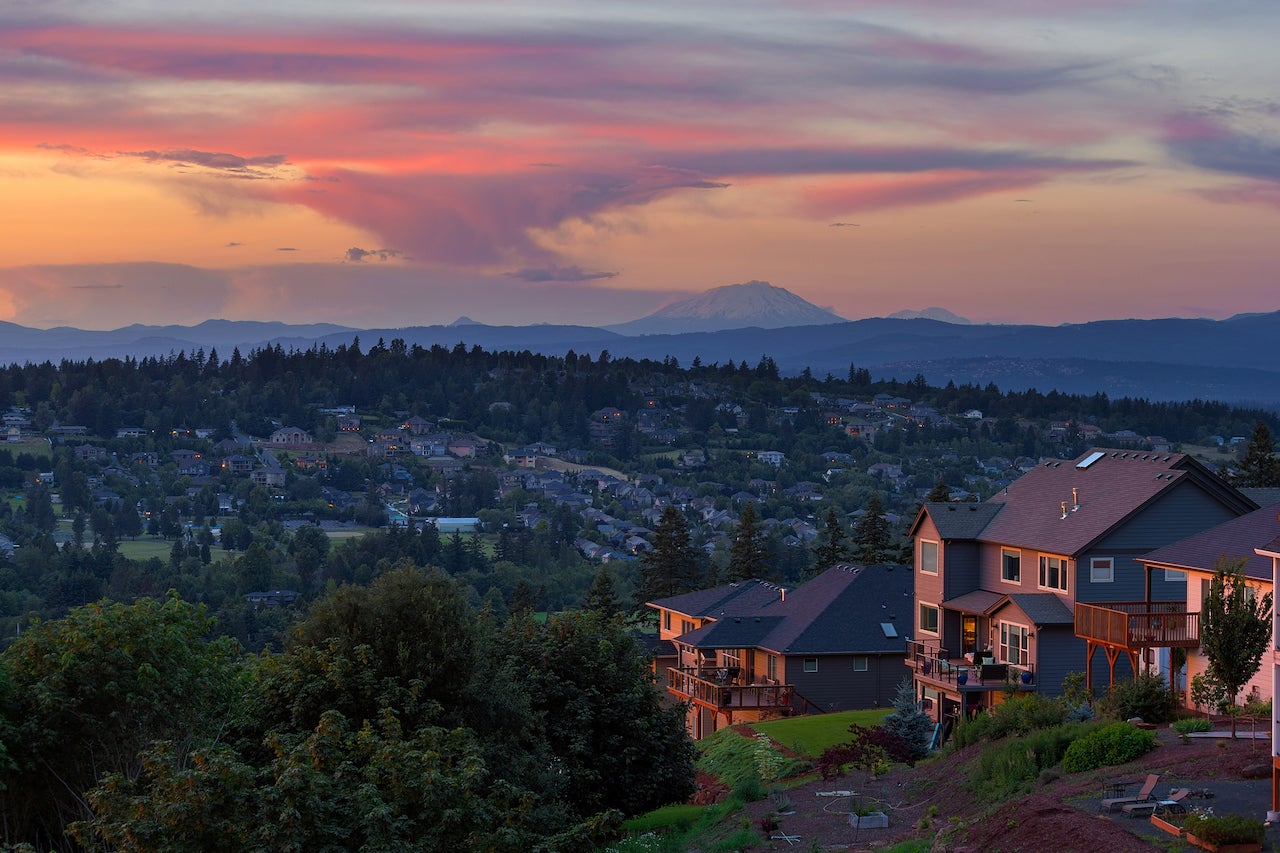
[937,556]
[1094,569]
[938,619]
[1002,646]
[805,665]
[1065,588]
[1011,551]
[864,661]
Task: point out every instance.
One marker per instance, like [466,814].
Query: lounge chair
[1170,805]
[1144,794]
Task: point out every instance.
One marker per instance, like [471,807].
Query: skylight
[1090,459]
[889,630]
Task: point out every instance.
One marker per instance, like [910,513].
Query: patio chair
[1173,803]
[1144,794]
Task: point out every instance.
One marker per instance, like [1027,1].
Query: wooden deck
[934,665]
[705,688]
[1136,625]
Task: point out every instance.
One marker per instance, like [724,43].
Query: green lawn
[811,735]
[145,549]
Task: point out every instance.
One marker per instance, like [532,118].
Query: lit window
[1053,573]
[1102,570]
[1010,565]
[928,556]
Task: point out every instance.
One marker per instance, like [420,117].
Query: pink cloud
[878,191]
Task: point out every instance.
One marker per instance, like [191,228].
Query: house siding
[929,587]
[837,686]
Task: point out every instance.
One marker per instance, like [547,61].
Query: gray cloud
[558,273]
[356,255]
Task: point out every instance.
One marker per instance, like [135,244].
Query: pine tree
[940,493]
[670,566]
[872,534]
[602,597]
[747,552]
[831,549]
[908,722]
[1259,466]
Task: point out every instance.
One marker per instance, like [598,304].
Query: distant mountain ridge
[942,315]
[755,304]
[1167,359]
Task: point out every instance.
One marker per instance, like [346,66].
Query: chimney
[1075,498]
[1064,509]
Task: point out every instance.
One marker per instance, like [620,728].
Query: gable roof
[1042,608]
[841,611]
[960,520]
[1235,538]
[733,599]
[1100,490]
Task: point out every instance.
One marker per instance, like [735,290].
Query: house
[290,437]
[754,650]
[1196,558]
[1016,590]
[772,457]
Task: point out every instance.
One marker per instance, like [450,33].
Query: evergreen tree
[603,597]
[747,551]
[670,566]
[1235,626]
[1259,466]
[872,534]
[831,548]
[940,493]
[908,722]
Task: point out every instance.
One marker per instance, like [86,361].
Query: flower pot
[962,677]
[1166,826]
[1026,677]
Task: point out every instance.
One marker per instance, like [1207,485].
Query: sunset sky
[397,163]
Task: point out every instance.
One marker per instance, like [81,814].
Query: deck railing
[1138,624]
[702,686]
[935,663]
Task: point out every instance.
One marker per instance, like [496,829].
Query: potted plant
[962,677]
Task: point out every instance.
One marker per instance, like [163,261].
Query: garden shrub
[1017,716]
[1146,697]
[869,748]
[1225,829]
[1192,724]
[1008,769]
[1115,743]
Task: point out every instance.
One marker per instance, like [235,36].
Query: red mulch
[933,798]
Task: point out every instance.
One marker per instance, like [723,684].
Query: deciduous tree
[1235,626]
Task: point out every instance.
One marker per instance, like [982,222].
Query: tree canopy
[1235,626]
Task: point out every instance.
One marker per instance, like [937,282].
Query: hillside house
[754,650]
[290,437]
[1196,558]
[1022,589]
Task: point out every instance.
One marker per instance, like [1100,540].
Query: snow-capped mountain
[755,304]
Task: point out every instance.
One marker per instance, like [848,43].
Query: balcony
[933,665]
[1135,625]
[704,686]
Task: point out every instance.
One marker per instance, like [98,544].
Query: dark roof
[961,520]
[1235,538]
[839,612]
[1109,487]
[976,601]
[1262,495]
[1042,608]
[733,599]
[1272,547]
